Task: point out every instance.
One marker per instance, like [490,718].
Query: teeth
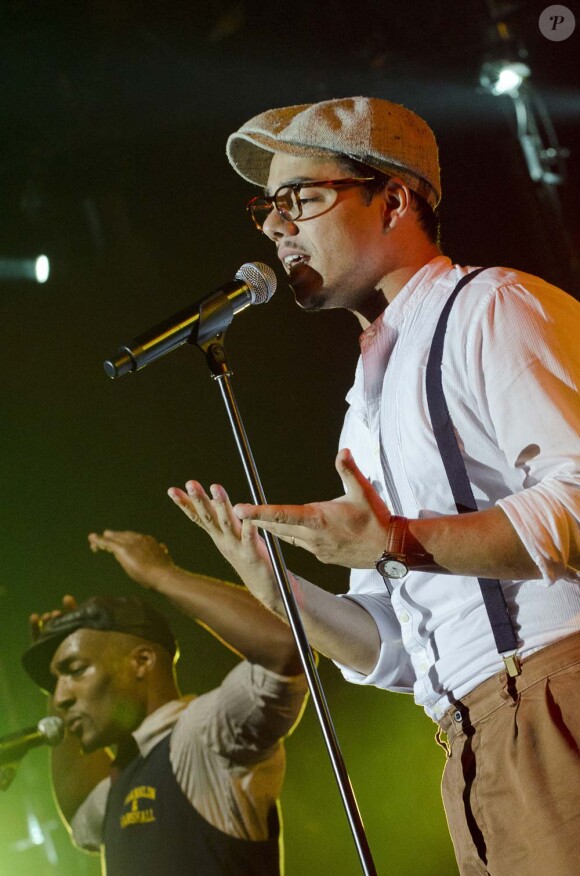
[290,259]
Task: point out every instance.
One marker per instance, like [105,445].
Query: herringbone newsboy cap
[384,135]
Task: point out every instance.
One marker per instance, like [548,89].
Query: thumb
[355,483]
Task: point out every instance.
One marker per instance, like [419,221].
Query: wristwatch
[393,562]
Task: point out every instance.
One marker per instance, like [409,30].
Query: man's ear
[143,660]
[397,197]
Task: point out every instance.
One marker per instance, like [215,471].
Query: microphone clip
[216,314]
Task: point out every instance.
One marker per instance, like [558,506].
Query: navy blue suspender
[491,589]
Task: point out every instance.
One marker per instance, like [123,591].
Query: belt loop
[508,688]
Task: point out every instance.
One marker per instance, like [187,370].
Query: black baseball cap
[120,614]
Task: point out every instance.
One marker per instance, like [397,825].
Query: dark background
[114,120]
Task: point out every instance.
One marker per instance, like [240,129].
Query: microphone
[48,731]
[254,283]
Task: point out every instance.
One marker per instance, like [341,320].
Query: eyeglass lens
[311,201]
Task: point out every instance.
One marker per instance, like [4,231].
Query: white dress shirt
[511,373]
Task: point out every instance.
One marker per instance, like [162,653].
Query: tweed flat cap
[384,135]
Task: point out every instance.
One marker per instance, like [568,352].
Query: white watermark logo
[557,23]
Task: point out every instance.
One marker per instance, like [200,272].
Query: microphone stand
[215,317]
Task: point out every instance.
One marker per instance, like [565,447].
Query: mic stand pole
[214,319]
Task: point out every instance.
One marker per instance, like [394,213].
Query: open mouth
[293,260]
[74,725]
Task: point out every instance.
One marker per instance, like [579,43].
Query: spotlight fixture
[503,77]
[35,269]
[544,156]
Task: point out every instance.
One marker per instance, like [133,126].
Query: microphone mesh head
[52,728]
[260,279]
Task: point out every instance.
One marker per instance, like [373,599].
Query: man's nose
[275,226]
[63,696]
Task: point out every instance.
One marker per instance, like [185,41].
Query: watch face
[392,567]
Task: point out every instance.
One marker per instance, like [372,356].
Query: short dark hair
[427,217]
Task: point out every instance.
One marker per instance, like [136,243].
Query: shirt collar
[159,724]
[395,313]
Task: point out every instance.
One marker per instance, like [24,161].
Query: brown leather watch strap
[397,535]
[401,542]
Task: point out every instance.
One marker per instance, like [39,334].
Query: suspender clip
[513,664]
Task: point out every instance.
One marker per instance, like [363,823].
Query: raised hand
[37,620]
[238,542]
[144,559]
[339,628]
[347,531]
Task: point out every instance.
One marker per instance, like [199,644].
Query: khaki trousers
[511,785]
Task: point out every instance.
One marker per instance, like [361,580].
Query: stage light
[35,269]
[503,77]
[42,269]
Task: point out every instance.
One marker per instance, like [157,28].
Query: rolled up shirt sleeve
[528,360]
[227,751]
[546,518]
[250,712]
[393,670]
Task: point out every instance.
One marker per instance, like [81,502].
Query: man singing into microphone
[194,783]
[478,413]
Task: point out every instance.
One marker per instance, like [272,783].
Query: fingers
[34,624]
[250,535]
[359,490]
[352,477]
[183,502]
[288,532]
[221,520]
[214,514]
[97,543]
[294,540]
[47,616]
[194,503]
[127,544]
[283,519]
[219,512]
[37,620]
[227,520]
[110,539]
[294,524]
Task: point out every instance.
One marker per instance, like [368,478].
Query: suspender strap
[491,589]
